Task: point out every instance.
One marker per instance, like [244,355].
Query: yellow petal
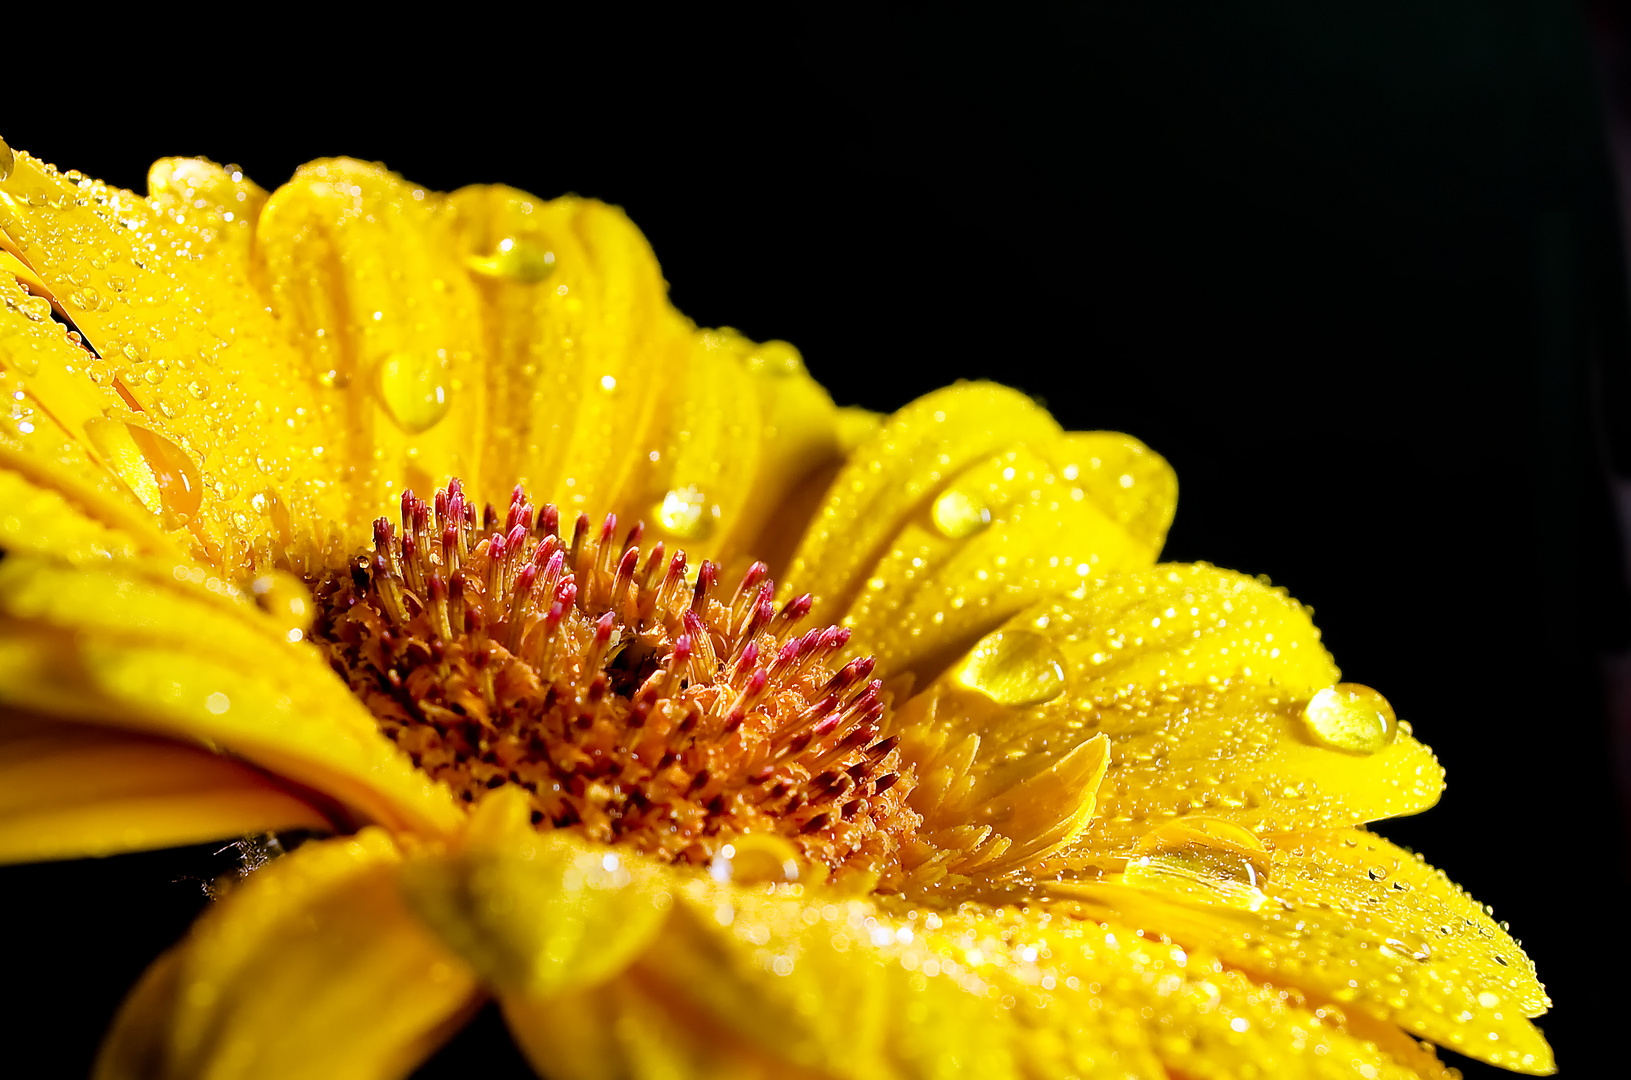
[536,913]
[274,370]
[584,353]
[1195,680]
[987,812]
[745,430]
[190,662]
[68,791]
[40,520]
[362,269]
[35,357]
[1349,917]
[606,398]
[964,508]
[1200,678]
[787,981]
[313,967]
[193,399]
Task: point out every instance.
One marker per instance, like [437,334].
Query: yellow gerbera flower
[310,509]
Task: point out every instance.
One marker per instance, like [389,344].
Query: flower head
[425,520]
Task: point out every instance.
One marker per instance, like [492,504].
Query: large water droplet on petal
[958,515]
[514,260]
[684,512]
[1351,717]
[413,388]
[7,160]
[755,858]
[1202,859]
[1015,667]
[160,473]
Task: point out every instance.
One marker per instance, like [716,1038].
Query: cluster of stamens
[628,700]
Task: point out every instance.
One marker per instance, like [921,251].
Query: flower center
[629,700]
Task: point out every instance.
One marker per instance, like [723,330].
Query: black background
[1354,269]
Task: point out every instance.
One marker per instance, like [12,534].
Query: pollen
[633,700]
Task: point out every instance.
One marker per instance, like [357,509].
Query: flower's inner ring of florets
[628,700]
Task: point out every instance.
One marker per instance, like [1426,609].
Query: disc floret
[631,699]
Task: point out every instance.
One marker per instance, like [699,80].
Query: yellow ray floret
[400,330]
[709,978]
[1348,918]
[964,508]
[71,790]
[313,969]
[190,661]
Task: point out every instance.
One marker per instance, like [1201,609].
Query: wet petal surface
[963,508]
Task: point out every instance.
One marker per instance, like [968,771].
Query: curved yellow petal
[788,981]
[312,968]
[35,361]
[40,520]
[965,507]
[362,270]
[1348,917]
[190,662]
[191,399]
[605,398]
[536,913]
[1199,678]
[68,791]
[271,371]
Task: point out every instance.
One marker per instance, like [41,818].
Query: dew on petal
[7,160]
[1351,717]
[514,259]
[684,513]
[1015,667]
[957,515]
[156,470]
[412,388]
[756,858]
[1202,859]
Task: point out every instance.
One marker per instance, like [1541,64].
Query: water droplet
[957,515]
[1014,667]
[7,160]
[1203,859]
[684,513]
[198,388]
[1351,717]
[412,388]
[285,597]
[515,260]
[35,308]
[160,473]
[754,858]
